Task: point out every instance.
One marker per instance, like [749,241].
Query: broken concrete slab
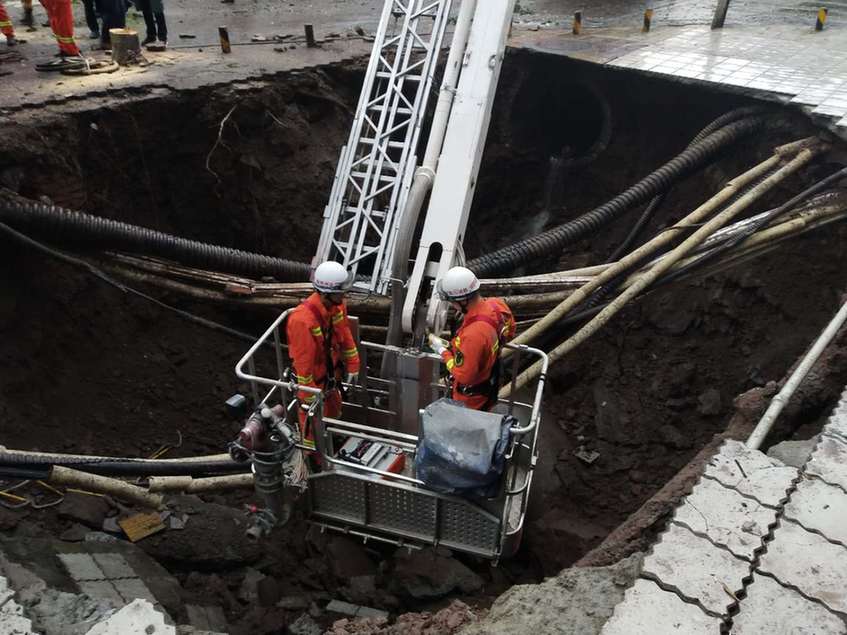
[793,453]
[648,609]
[137,618]
[837,423]
[577,601]
[156,583]
[829,461]
[304,625]
[820,507]
[12,618]
[751,473]
[726,517]
[81,566]
[53,612]
[133,589]
[696,569]
[806,561]
[770,607]
[101,590]
[114,565]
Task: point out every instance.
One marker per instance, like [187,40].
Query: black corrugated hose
[105,233]
[552,240]
[120,466]
[653,205]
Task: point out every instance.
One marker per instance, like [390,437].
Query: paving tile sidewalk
[757,545]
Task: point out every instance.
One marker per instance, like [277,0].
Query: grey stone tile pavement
[772,608]
[788,575]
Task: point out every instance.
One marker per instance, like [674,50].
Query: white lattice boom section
[377,164]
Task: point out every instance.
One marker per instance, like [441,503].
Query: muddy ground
[90,369]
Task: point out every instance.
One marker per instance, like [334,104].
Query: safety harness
[491,386]
[329,380]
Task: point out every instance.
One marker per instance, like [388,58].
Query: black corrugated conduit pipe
[105,233]
[553,240]
[107,466]
[653,205]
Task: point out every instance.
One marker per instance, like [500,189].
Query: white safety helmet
[457,284]
[332,277]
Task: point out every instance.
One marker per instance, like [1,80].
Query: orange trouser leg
[62,22]
[332,408]
[5,23]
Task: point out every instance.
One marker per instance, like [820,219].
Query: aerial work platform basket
[374,492]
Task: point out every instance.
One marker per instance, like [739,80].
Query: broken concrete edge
[577,601]
[139,616]
[639,530]
[93,100]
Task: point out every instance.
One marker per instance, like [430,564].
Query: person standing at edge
[6,27]
[157,28]
[61,19]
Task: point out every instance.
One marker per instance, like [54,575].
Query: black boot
[27,19]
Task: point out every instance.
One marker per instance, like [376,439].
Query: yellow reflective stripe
[4,24]
[337,318]
[305,379]
[351,352]
[316,330]
[309,444]
[496,347]
[64,40]
[451,363]
[309,398]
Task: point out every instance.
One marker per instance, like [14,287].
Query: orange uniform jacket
[476,347]
[306,328]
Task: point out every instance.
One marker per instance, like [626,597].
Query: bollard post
[310,36]
[577,22]
[720,14]
[822,13]
[648,18]
[223,33]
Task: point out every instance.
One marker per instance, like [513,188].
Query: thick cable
[84,264]
[656,203]
[105,233]
[802,158]
[119,466]
[553,240]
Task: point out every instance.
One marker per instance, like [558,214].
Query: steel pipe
[782,398]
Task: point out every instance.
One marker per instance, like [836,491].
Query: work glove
[436,343]
[353,379]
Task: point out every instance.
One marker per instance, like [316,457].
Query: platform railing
[521,456]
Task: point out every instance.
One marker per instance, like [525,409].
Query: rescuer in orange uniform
[320,342]
[472,356]
[6,27]
[61,18]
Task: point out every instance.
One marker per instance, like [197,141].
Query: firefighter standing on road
[320,341]
[473,356]
[6,27]
[61,18]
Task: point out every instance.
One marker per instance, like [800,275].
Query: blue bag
[462,451]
